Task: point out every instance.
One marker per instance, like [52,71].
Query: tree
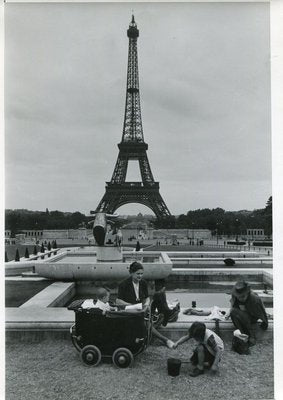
[268,206]
[267,214]
[76,219]
[55,244]
[35,250]
[26,253]
[211,223]
[216,218]
[42,249]
[182,221]
[49,246]
[17,256]
[166,222]
[138,246]
[6,257]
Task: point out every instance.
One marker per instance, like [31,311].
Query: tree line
[18,220]
[217,220]
[222,222]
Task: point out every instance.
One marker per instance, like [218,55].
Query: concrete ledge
[217,264]
[268,277]
[16,269]
[223,274]
[265,297]
[225,330]
[176,329]
[217,254]
[222,271]
[37,323]
[25,278]
[55,295]
[38,315]
[242,260]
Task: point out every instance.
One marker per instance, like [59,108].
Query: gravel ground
[53,370]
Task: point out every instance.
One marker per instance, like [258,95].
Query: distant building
[255,233]
[31,233]
[53,234]
[81,233]
[137,231]
[182,233]
[20,237]
[8,237]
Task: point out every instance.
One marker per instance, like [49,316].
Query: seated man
[159,302]
[246,309]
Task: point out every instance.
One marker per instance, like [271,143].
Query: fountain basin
[76,264]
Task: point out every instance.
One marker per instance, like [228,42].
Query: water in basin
[202,300]
[77,259]
[91,258]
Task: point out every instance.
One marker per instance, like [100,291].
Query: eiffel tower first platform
[132,147]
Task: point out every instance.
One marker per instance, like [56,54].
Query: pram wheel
[90,355]
[122,358]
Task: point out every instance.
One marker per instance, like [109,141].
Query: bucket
[173,366]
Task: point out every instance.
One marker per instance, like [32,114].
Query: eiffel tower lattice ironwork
[132,147]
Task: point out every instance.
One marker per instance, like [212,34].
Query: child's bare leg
[199,369]
[201,356]
[159,335]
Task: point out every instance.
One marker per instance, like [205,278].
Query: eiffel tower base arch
[119,195]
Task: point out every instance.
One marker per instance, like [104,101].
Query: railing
[37,256]
[48,253]
[188,260]
[242,247]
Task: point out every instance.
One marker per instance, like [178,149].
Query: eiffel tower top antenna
[132,129]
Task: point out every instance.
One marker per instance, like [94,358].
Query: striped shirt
[212,342]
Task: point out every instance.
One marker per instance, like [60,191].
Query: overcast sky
[205,98]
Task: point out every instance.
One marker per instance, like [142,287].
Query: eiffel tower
[132,147]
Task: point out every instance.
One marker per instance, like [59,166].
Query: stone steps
[211,264]
[212,286]
[206,275]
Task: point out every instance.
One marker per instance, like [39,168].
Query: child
[103,300]
[101,303]
[209,349]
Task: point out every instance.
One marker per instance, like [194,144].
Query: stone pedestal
[109,253]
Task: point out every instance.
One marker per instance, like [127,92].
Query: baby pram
[119,335]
